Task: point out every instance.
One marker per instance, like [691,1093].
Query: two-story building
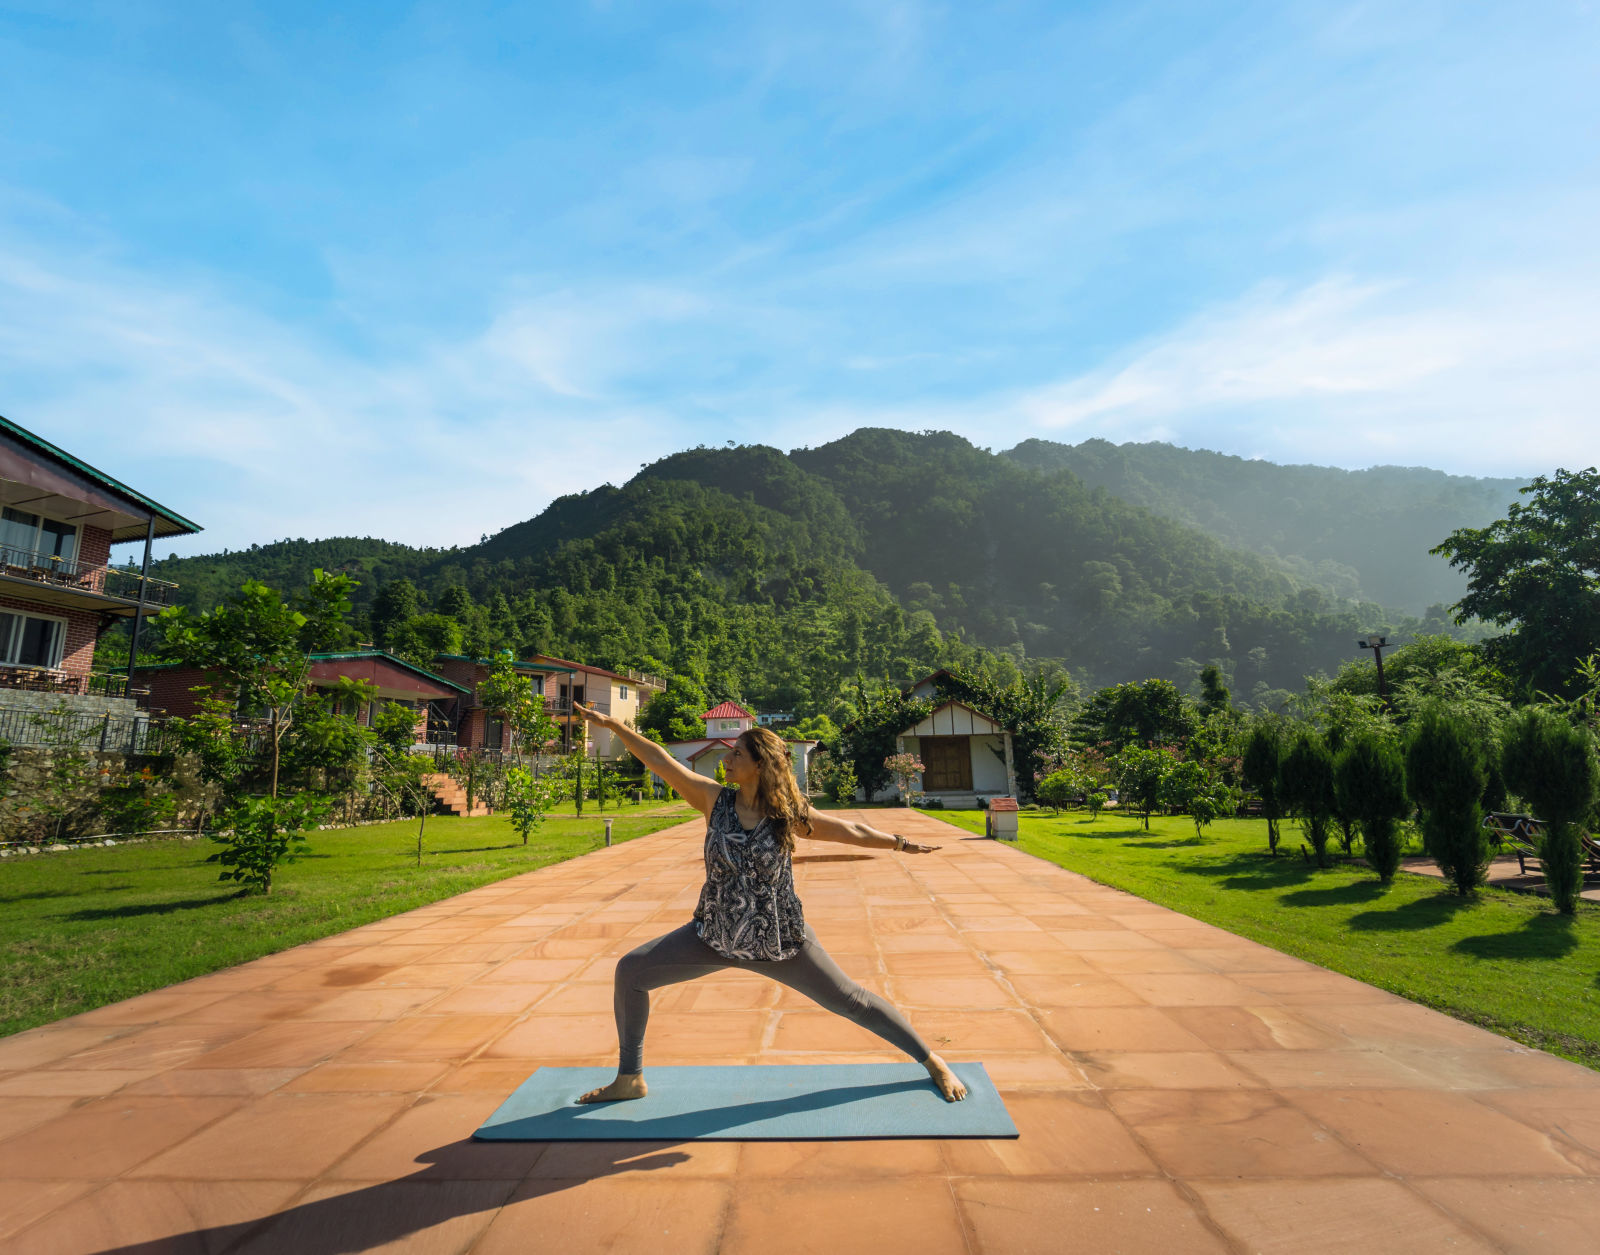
[724,723]
[59,592]
[616,693]
[176,689]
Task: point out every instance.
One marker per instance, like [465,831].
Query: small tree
[1369,778]
[903,767]
[263,832]
[1141,775]
[1551,764]
[529,797]
[1446,777]
[837,777]
[1191,787]
[1262,768]
[1308,793]
[1058,789]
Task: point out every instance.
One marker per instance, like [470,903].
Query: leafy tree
[529,797]
[837,777]
[508,695]
[1058,789]
[1369,776]
[1190,786]
[1306,780]
[1262,768]
[262,832]
[395,605]
[1215,699]
[885,712]
[674,713]
[1152,712]
[1141,776]
[903,767]
[257,643]
[1551,764]
[1537,572]
[1446,778]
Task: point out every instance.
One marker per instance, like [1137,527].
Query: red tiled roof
[727,710]
[722,742]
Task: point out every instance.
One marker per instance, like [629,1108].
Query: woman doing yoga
[748,917]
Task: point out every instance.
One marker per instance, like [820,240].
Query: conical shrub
[1552,766]
[1445,776]
[1308,793]
[1369,778]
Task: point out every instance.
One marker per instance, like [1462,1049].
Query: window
[622,692]
[28,641]
[29,540]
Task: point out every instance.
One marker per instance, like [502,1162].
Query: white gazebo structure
[965,755]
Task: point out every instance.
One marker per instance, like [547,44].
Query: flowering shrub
[903,767]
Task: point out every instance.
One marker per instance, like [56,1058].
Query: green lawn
[81,929]
[1505,961]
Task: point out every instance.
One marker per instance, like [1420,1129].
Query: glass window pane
[8,624]
[36,646]
[60,539]
[18,530]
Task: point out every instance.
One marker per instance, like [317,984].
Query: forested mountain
[1358,534]
[777,578]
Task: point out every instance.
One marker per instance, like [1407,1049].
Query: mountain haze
[1359,534]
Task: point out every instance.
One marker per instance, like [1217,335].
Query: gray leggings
[680,955]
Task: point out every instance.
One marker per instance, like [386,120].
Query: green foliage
[1151,712]
[1215,699]
[262,832]
[508,694]
[1059,789]
[1369,777]
[144,802]
[1445,775]
[674,713]
[903,768]
[884,713]
[1537,572]
[836,776]
[1194,787]
[1551,764]
[529,797]
[395,728]
[1141,776]
[1261,768]
[1305,780]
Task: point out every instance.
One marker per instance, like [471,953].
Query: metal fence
[108,734]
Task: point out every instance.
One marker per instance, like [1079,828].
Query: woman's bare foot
[627,1085]
[948,1082]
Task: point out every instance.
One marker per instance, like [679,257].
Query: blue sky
[413,270]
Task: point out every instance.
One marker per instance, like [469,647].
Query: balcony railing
[67,683]
[109,581]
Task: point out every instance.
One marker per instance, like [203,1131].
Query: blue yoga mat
[756,1102]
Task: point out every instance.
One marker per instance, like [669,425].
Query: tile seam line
[1196,1204]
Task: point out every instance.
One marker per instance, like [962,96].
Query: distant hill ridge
[780,576]
[1360,534]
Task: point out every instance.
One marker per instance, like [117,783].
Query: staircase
[451,795]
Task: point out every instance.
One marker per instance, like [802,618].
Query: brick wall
[77,653]
[169,689]
[94,550]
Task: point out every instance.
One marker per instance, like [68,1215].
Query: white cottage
[965,755]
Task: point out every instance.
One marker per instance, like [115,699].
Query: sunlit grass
[81,929]
[1503,960]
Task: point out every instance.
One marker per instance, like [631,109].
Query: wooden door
[946,763]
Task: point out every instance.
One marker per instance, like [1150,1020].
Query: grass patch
[1505,961]
[94,926]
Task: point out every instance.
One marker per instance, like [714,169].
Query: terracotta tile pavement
[1178,1088]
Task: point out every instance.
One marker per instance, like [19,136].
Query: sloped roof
[727,710]
[720,743]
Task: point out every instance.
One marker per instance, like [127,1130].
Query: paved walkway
[1178,1089]
[1506,873]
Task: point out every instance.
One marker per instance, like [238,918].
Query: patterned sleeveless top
[748,908]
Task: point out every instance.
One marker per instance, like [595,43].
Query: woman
[748,917]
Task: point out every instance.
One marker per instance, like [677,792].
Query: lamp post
[1377,644]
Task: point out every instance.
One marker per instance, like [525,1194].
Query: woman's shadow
[447,1188]
[467,1177]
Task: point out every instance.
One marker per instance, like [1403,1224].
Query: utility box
[1002,821]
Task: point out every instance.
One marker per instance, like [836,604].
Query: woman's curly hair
[777,794]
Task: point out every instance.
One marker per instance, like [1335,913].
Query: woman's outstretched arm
[826,827]
[699,791]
